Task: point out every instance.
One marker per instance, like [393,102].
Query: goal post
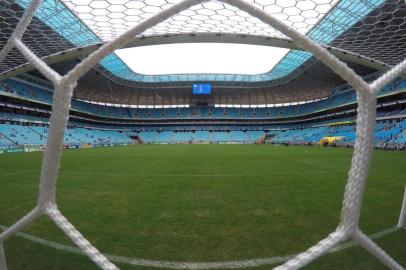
[402,217]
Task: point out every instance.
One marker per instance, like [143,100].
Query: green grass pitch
[201,203]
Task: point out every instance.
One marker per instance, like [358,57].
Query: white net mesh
[348,227]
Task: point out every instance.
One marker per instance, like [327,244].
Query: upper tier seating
[28,91]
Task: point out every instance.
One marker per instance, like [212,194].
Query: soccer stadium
[202,134]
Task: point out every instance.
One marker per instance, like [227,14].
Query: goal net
[348,227]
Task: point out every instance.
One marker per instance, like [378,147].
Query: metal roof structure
[368,34]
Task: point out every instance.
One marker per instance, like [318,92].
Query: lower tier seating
[387,132]
[36,135]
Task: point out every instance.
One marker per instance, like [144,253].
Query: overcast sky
[193,58]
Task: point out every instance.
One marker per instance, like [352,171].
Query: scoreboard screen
[202,89]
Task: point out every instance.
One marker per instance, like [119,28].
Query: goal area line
[191,265]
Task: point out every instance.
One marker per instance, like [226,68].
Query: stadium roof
[369,33]
[83,23]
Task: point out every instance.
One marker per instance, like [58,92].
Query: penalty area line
[190,265]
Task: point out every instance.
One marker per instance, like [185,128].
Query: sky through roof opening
[195,58]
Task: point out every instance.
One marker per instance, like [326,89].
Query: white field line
[372,236]
[203,175]
[195,175]
[191,265]
[18,173]
[180,175]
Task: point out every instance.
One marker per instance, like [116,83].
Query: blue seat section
[26,91]
[22,117]
[200,136]
[183,137]
[346,131]
[148,137]
[23,90]
[239,136]
[255,135]
[165,137]
[37,135]
[95,136]
[308,135]
[220,137]
[386,132]
[4,139]
[401,137]
[21,135]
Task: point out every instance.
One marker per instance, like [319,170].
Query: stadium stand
[388,134]
[29,92]
[20,121]
[21,134]
[35,135]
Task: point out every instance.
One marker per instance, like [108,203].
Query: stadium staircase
[5,141]
[41,131]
